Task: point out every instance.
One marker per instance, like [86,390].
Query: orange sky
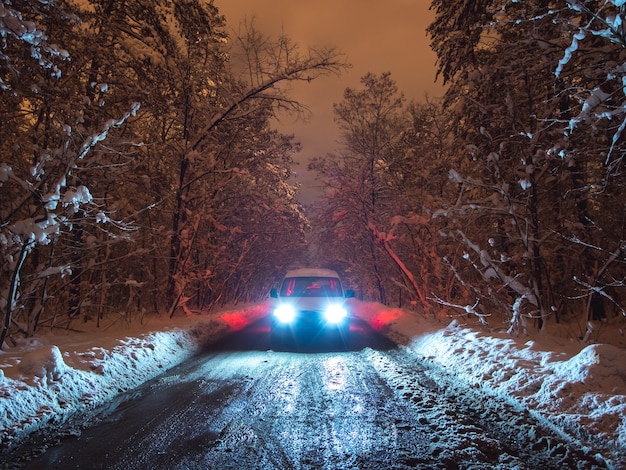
[376,36]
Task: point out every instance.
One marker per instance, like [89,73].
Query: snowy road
[242,405]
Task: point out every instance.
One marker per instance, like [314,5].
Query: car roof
[311,272]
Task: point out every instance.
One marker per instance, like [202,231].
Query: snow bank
[582,393]
[573,387]
[46,380]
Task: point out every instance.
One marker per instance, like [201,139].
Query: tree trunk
[178,219]
[13,286]
[536,261]
[408,274]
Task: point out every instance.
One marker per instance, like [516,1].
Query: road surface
[325,405]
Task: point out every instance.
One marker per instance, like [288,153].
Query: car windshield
[311,287]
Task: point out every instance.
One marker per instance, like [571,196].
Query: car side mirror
[349,294]
[273,293]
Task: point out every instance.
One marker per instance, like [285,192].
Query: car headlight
[335,313]
[285,313]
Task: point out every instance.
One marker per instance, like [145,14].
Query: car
[310,303]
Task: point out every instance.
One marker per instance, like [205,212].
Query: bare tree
[372,203]
[243,103]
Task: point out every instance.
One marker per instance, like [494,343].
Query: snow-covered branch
[468,309]
[19,236]
[605,102]
[14,26]
[492,269]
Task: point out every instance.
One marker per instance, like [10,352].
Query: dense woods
[140,173]
[504,201]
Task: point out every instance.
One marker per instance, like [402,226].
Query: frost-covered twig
[454,271]
[601,290]
[469,309]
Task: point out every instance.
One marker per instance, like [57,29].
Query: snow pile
[582,391]
[571,386]
[48,379]
[576,387]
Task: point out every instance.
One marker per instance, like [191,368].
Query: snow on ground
[570,385]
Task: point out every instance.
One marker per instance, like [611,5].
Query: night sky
[376,37]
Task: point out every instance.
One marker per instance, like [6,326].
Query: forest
[140,172]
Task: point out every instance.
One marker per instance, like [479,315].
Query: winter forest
[140,171]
